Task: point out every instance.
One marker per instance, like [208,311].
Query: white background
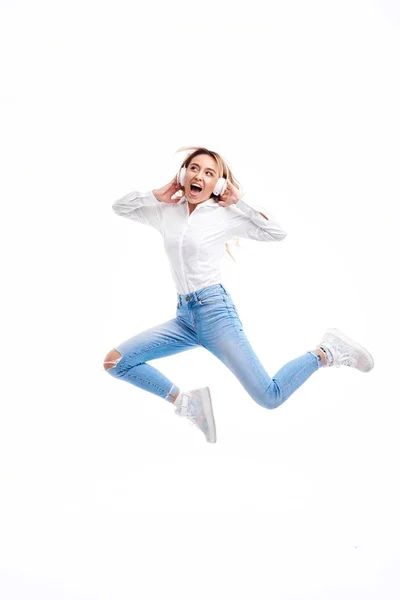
[104,492]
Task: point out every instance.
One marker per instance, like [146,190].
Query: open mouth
[195,189]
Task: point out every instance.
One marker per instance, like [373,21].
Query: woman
[195,228]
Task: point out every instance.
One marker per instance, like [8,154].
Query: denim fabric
[208,318]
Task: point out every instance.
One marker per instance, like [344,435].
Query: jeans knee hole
[112,362]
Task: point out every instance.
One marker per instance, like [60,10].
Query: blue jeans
[208,318]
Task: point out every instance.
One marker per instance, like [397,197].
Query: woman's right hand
[164,194]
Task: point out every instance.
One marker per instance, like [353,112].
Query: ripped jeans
[209,319]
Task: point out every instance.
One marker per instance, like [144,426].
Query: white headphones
[220,186]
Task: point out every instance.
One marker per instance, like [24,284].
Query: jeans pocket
[214,298]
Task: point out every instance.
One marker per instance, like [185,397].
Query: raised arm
[250,223]
[140,206]
[148,207]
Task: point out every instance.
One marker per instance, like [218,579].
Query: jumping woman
[196,227]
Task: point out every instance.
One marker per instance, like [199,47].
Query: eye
[209,172]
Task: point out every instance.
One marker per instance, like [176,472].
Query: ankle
[321,356]
[175,397]
[173,394]
[324,356]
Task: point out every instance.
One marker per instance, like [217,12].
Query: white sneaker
[196,406]
[342,350]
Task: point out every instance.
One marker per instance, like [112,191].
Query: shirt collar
[210,202]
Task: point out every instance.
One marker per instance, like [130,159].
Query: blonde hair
[224,171]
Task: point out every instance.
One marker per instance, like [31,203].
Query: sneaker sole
[356,345]
[205,395]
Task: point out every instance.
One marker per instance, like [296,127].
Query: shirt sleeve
[249,223]
[142,207]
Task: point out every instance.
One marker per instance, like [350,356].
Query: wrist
[239,198]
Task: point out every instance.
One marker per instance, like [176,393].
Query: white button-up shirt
[195,243]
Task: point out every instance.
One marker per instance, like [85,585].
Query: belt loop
[195,295]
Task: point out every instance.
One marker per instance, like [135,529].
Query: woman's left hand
[230,196]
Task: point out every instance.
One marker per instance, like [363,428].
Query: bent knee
[273,398]
[112,358]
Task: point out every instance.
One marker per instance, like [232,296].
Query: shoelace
[184,411]
[345,359]
[192,422]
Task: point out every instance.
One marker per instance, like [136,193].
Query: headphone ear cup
[181,176]
[220,186]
